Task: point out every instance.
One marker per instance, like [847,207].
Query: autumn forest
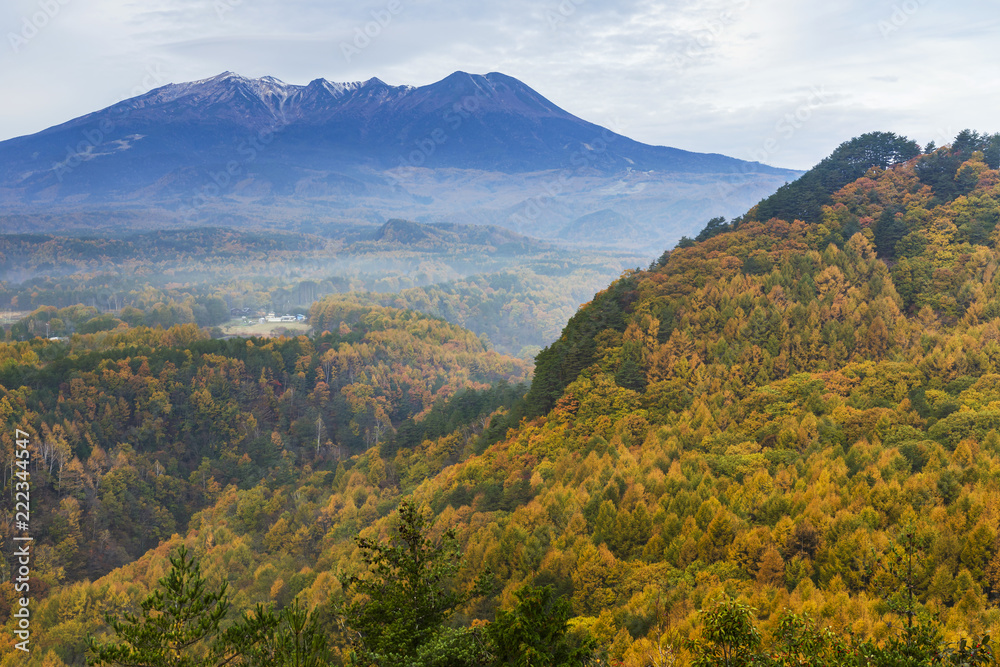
[777,443]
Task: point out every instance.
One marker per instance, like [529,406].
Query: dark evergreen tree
[889,230]
[560,363]
[630,373]
[804,199]
[180,626]
[940,170]
[661,261]
[176,621]
[714,227]
[534,633]
[400,605]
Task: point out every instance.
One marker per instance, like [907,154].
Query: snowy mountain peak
[218,77]
[260,101]
[329,138]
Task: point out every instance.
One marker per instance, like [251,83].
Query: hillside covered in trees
[136,430]
[801,416]
[516,290]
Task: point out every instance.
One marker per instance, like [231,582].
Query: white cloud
[717,76]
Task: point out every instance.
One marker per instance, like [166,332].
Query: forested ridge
[515,290]
[135,430]
[788,420]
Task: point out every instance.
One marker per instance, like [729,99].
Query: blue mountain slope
[279,137]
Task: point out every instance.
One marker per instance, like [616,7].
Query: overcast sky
[780,81]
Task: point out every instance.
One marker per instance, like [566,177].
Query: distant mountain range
[468,149]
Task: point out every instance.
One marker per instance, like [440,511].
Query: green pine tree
[400,605]
[179,626]
[534,633]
